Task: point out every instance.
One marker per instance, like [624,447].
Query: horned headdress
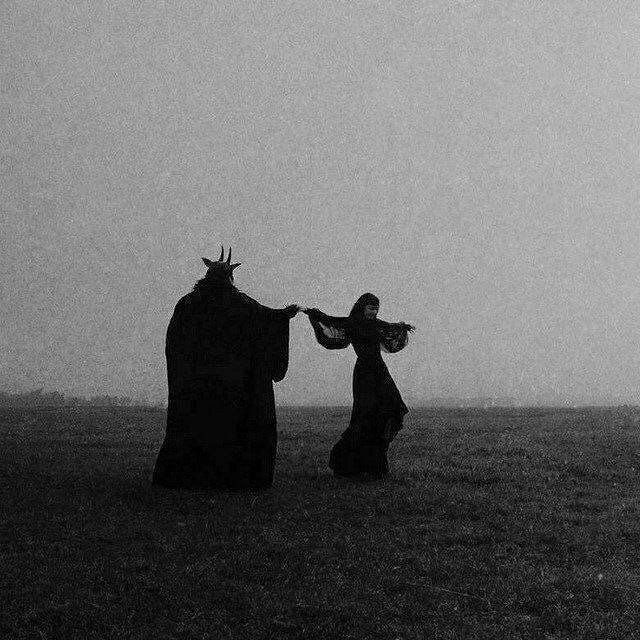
[221,267]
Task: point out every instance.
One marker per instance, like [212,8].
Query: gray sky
[474,164]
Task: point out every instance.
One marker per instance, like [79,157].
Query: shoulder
[246,300]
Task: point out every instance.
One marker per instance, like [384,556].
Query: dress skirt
[376,416]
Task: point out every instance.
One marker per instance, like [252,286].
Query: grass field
[495,524]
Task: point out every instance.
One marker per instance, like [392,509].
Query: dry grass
[495,524]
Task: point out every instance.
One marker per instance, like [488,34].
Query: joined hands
[292,310]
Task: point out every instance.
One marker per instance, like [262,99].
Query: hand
[408,327]
[309,310]
[291,310]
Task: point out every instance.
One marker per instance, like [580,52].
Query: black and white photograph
[319,320]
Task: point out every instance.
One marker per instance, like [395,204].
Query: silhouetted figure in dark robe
[378,409]
[224,351]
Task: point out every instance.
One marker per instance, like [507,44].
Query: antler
[226,264]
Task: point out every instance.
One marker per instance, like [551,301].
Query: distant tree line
[41,398]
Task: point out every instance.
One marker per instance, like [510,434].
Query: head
[220,271]
[366,307]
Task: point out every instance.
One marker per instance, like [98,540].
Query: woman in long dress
[378,409]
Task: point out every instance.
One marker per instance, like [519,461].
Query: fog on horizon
[474,165]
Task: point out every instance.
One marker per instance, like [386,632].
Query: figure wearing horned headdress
[224,350]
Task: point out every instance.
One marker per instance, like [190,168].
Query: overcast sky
[475,164]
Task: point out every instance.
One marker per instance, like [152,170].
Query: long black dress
[224,351]
[378,408]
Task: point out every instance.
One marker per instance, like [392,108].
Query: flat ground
[495,524]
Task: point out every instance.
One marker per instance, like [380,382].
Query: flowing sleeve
[271,335]
[393,336]
[275,339]
[330,331]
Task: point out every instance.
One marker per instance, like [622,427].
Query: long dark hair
[357,310]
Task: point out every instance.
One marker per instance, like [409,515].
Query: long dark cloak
[224,350]
[378,408]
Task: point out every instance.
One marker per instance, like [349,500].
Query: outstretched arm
[288,312]
[316,314]
[396,325]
